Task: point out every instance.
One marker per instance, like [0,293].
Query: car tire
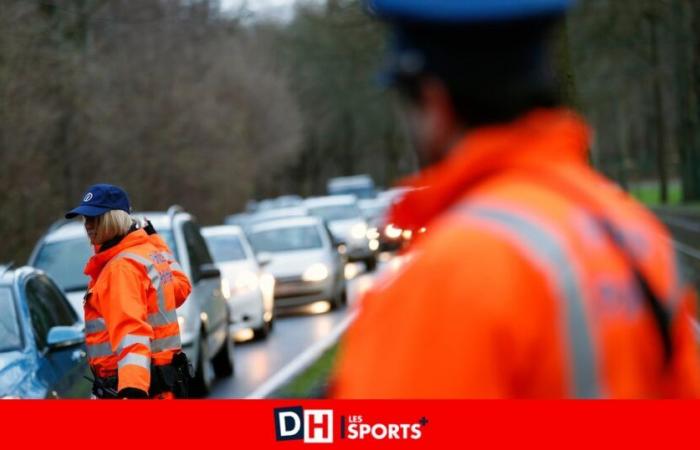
[223,362]
[263,331]
[371,264]
[341,299]
[204,372]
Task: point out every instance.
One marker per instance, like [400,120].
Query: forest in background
[180,102]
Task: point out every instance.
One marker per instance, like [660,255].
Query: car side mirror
[208,271]
[263,258]
[63,337]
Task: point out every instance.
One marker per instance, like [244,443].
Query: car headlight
[359,230]
[392,232]
[246,281]
[315,272]
[372,233]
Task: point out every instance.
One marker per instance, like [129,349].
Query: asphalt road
[257,361]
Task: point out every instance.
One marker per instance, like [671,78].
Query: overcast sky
[278,8]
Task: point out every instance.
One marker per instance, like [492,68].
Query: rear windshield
[226,248]
[10,335]
[286,239]
[336,212]
[65,261]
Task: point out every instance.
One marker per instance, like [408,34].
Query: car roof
[222,230]
[353,180]
[373,202]
[74,229]
[287,222]
[6,275]
[159,219]
[330,200]
[69,230]
[280,213]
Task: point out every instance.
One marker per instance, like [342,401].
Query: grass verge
[312,382]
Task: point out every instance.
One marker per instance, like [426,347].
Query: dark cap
[99,199]
[465,11]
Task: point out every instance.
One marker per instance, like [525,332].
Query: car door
[213,305]
[62,370]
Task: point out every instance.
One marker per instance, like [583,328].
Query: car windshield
[357,191]
[374,211]
[65,261]
[10,335]
[286,239]
[336,212]
[225,248]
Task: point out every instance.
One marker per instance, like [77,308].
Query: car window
[226,248]
[47,308]
[286,239]
[169,239]
[196,248]
[10,332]
[336,212]
[65,261]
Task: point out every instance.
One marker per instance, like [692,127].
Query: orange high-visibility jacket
[516,290]
[130,318]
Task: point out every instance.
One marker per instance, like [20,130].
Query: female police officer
[132,333]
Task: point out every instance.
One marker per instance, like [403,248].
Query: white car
[303,259]
[204,317]
[63,253]
[348,225]
[249,289]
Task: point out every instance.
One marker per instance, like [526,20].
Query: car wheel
[371,263]
[223,361]
[263,331]
[340,299]
[204,373]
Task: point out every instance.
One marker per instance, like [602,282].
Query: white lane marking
[686,224]
[687,250]
[304,360]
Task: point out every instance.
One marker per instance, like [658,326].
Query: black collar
[117,239]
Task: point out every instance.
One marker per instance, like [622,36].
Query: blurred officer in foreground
[132,333]
[537,277]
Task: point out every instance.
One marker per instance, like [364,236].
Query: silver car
[303,259]
[204,317]
[248,288]
[348,225]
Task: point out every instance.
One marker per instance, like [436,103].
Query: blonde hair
[112,224]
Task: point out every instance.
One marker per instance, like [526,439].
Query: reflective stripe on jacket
[515,290]
[130,308]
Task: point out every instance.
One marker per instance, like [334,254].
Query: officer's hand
[132,393]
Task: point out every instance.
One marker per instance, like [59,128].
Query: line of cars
[287,253]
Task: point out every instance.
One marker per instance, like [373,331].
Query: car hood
[341,228]
[231,269]
[18,376]
[291,264]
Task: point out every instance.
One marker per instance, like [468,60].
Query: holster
[105,387]
[174,377]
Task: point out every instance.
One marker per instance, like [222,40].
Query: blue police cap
[466,11]
[99,199]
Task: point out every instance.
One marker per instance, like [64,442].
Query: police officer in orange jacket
[132,332]
[537,277]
